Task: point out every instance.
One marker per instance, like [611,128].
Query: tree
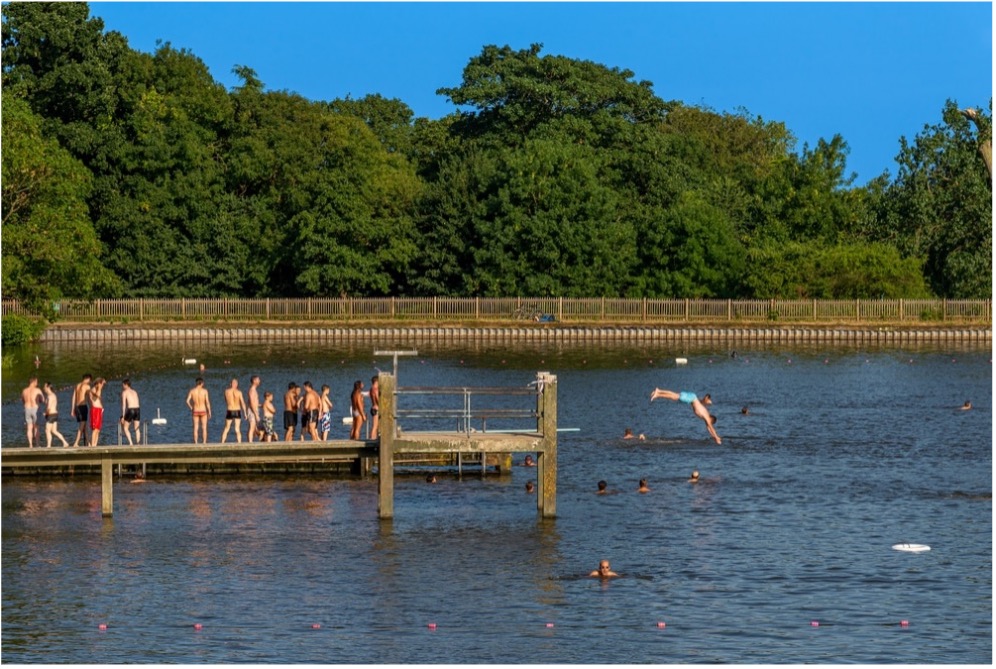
[940,206]
[50,249]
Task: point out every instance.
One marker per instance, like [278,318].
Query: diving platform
[410,405]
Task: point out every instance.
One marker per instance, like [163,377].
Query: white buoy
[681,361]
[911,548]
[158,420]
[190,361]
[347,420]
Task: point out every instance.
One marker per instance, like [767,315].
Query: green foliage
[940,206]
[50,248]
[809,270]
[139,174]
[18,330]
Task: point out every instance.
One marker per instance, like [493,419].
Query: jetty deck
[392,442]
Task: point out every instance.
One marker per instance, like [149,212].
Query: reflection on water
[844,453]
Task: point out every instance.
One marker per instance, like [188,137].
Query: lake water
[845,452]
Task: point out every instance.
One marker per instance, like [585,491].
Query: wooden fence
[518,310]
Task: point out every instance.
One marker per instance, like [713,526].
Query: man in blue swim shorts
[698,406]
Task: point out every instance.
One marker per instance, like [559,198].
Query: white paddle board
[911,548]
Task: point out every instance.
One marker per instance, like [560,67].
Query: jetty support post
[546,461]
[388,431]
[106,486]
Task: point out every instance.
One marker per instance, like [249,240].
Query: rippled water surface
[844,453]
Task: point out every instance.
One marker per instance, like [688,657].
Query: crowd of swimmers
[41,405]
[303,405]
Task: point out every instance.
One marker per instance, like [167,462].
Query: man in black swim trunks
[290,410]
[130,414]
[235,409]
[81,412]
[310,405]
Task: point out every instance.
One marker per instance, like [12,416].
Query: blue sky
[871,72]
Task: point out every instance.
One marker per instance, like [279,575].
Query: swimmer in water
[695,477]
[602,488]
[603,571]
[966,406]
[528,461]
[628,433]
[643,486]
[530,487]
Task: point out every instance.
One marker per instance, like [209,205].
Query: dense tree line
[136,174]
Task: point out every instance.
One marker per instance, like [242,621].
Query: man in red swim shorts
[96,410]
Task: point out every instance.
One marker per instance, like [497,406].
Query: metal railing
[466,412]
[516,310]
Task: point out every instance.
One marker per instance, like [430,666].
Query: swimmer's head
[602,485]
[695,475]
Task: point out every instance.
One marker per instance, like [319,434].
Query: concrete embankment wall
[559,335]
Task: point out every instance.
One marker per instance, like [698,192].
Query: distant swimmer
[966,406]
[643,486]
[628,433]
[603,571]
[528,461]
[745,411]
[695,477]
[431,478]
[603,488]
[530,487]
[698,406]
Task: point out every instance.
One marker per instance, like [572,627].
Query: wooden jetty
[393,442]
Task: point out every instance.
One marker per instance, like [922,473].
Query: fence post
[944,309]
[141,309]
[435,308]
[729,309]
[901,308]
[560,308]
[857,309]
[547,461]
[183,308]
[644,312]
[477,308]
[688,309]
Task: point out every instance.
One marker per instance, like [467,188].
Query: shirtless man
[325,422]
[32,398]
[96,410]
[200,408]
[253,412]
[52,418]
[235,408]
[290,410]
[359,414]
[374,406]
[310,407]
[130,412]
[698,406]
[80,409]
[603,571]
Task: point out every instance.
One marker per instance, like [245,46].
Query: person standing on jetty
[310,409]
[290,410]
[358,412]
[200,408]
[52,418]
[252,415]
[325,422]
[96,410]
[80,409]
[130,412]
[698,406]
[266,421]
[374,406]
[32,399]
[235,408]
